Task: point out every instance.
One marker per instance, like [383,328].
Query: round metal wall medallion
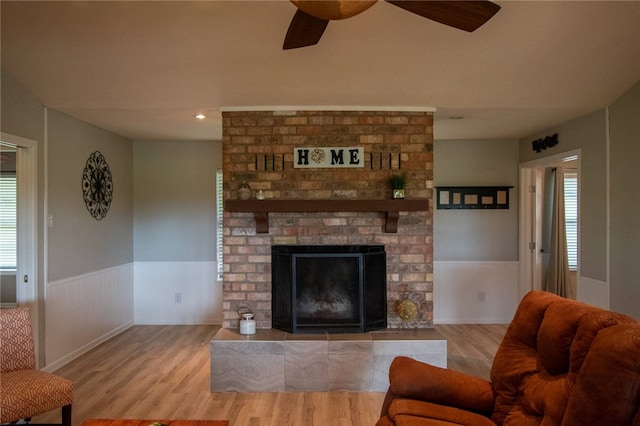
[97,185]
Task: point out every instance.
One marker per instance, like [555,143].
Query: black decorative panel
[97,185]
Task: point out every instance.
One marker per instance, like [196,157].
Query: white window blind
[571,216]
[8,218]
[219,216]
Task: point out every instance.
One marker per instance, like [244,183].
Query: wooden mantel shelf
[262,208]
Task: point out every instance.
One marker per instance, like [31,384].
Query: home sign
[328,157]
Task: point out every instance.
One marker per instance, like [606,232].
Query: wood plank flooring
[162,372]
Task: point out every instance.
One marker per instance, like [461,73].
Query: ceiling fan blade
[464,15]
[304,30]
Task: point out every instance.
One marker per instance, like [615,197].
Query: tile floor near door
[275,361]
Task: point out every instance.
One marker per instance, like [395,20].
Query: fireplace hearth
[329,289]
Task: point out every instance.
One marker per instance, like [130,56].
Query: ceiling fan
[312,16]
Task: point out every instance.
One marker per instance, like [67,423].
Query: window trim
[219,223]
[8,221]
[571,207]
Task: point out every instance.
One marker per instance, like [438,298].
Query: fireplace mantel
[262,208]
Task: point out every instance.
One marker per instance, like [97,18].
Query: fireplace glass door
[328,289]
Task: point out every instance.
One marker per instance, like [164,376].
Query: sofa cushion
[538,361]
[607,390]
[417,413]
[556,335]
[446,387]
[17,351]
[26,393]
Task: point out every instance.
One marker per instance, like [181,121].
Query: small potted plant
[397,183]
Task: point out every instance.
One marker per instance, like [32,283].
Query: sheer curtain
[557,280]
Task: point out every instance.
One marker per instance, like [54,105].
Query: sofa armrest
[607,389]
[413,379]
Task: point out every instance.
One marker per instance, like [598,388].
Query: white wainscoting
[474,292]
[83,311]
[177,293]
[594,292]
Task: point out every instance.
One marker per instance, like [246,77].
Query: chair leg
[66,415]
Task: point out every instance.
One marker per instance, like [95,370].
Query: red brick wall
[258,148]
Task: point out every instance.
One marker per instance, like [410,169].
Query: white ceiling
[144,69]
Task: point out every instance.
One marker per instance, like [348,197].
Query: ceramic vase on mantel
[244,192]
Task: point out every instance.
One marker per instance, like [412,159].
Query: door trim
[27,294]
[530,227]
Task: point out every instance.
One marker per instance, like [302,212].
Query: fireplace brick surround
[258,148]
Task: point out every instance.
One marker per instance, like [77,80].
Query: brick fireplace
[258,149]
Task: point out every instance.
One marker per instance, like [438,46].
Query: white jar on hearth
[247,324]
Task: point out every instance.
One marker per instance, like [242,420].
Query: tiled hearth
[275,361]
[258,148]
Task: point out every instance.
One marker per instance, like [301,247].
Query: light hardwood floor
[162,372]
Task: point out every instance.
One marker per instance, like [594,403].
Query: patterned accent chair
[25,391]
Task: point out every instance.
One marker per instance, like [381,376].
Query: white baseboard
[177,293]
[84,349]
[84,311]
[474,292]
[593,292]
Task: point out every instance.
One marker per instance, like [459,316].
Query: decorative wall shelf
[262,208]
[472,197]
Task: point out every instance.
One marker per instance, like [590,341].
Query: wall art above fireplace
[328,157]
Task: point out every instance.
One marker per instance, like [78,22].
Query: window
[8,225]
[219,216]
[571,216]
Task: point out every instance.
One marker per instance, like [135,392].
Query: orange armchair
[25,391]
[561,362]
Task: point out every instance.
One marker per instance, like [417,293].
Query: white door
[27,226]
[531,214]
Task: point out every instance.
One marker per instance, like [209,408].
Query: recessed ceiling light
[200,116]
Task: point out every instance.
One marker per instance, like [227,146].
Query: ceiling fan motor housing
[333,9]
[311,18]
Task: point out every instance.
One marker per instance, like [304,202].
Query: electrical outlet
[482,296]
[177,297]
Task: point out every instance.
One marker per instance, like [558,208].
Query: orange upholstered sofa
[561,362]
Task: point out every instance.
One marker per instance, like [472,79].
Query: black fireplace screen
[329,289]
